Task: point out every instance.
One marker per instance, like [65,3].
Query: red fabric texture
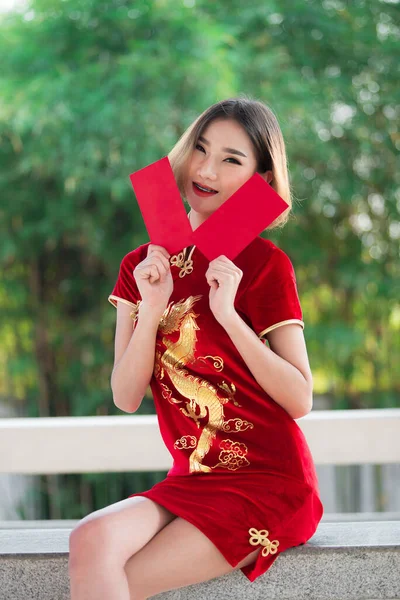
[240,462]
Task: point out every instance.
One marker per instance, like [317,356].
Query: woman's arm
[289,385]
[133,370]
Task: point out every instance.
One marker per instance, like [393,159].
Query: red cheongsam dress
[242,471]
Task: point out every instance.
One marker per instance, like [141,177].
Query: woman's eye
[199,147]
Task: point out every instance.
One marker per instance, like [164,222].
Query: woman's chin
[201,210]
[204,206]
[195,204]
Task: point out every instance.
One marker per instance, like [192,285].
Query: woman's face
[223,160]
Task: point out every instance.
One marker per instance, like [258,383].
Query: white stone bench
[342,561]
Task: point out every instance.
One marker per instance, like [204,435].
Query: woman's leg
[177,556]
[103,541]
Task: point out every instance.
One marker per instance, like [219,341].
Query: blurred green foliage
[93,90]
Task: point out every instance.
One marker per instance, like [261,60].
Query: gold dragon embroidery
[203,399]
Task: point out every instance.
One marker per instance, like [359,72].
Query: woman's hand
[153,277]
[223,277]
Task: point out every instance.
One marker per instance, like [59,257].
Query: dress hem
[233,563]
[284,533]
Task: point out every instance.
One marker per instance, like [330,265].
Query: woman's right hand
[154,278]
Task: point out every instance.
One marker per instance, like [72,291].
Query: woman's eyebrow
[230,150]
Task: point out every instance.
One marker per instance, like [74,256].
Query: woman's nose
[207,170]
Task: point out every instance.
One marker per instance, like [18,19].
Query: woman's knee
[96,531]
[117,531]
[89,539]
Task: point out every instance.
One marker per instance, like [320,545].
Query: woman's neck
[195,219]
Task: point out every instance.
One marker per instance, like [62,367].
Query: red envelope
[234,225]
[161,206]
[239,220]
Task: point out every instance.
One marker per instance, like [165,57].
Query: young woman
[243,486]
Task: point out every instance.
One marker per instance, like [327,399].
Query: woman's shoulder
[259,254]
[263,263]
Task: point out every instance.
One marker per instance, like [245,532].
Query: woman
[243,486]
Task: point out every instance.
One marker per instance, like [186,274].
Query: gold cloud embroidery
[233,455]
[218,363]
[186,441]
[234,425]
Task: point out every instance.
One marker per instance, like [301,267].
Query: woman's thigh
[118,531]
[178,556]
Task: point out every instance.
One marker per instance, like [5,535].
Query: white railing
[133,442]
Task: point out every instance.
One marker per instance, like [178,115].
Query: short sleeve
[271,299]
[125,288]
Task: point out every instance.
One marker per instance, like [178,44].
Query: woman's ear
[267,176]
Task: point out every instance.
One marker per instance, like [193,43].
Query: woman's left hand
[223,277]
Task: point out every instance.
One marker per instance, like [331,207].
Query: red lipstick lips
[201,192]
